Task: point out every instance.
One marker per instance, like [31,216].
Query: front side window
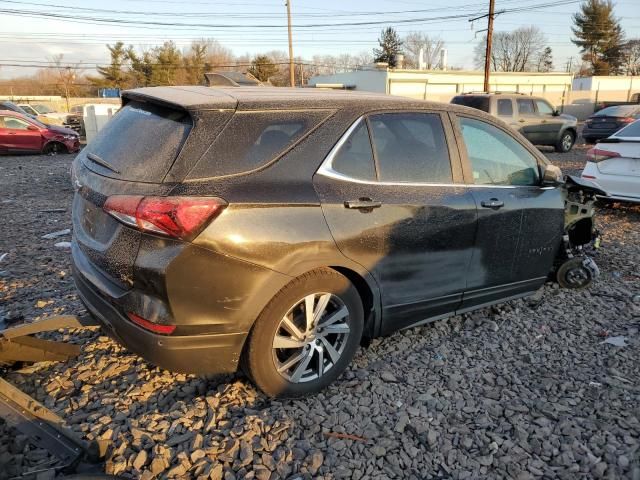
[525,106]
[544,108]
[15,124]
[496,157]
[355,157]
[410,147]
[505,107]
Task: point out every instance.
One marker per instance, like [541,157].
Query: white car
[614,164]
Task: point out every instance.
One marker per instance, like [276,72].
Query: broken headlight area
[574,267]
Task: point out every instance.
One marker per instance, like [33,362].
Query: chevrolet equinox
[277,229]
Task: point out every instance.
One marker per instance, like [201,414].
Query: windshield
[43,109]
[617,111]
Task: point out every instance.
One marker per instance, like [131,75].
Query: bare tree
[631,57]
[66,76]
[516,51]
[431,46]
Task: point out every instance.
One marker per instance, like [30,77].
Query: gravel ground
[523,390]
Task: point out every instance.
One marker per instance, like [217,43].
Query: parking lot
[523,390]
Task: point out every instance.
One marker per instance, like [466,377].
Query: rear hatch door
[131,155]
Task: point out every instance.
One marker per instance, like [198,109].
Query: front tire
[306,336]
[54,148]
[567,139]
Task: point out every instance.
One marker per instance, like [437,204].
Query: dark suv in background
[277,228]
[534,117]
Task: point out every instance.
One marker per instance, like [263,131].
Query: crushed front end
[574,267]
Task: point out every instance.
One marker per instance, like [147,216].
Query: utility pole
[487,55]
[292,73]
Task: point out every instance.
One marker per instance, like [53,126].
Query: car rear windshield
[479,103]
[617,111]
[139,143]
[253,139]
[632,131]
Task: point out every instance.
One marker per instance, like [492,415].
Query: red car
[21,134]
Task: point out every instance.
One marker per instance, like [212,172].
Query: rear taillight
[152,327]
[627,120]
[598,155]
[176,217]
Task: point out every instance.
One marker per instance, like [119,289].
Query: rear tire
[290,353]
[567,139]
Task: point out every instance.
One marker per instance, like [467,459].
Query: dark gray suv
[275,229]
[534,117]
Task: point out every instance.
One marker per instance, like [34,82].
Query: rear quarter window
[479,103]
[254,139]
[140,142]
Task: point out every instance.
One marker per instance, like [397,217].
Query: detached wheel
[566,142]
[54,148]
[574,274]
[307,335]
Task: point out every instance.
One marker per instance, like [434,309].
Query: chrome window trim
[326,170]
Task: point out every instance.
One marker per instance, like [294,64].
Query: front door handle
[362,203]
[522,120]
[492,203]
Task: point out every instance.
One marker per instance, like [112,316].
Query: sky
[32,31]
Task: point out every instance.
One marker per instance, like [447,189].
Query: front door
[551,122]
[392,195]
[520,223]
[20,138]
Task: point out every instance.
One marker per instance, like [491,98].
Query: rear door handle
[363,203]
[522,120]
[492,203]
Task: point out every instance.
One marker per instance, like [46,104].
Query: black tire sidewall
[560,146]
[259,356]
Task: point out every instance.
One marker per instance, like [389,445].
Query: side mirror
[33,128]
[551,176]
[556,113]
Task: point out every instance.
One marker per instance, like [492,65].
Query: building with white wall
[441,85]
[616,83]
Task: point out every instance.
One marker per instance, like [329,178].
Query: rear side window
[140,142]
[505,107]
[479,103]
[410,147]
[525,106]
[253,139]
[355,157]
[497,158]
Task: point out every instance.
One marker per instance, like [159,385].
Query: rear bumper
[200,354]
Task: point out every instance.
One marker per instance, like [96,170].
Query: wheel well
[55,142]
[572,130]
[366,295]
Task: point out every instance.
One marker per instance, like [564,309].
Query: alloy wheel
[567,142]
[311,338]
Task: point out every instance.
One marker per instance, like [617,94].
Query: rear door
[19,137]
[392,195]
[520,223]
[130,155]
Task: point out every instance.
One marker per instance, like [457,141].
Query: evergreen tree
[113,75]
[390,47]
[195,63]
[599,35]
[263,68]
[167,61]
[545,60]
